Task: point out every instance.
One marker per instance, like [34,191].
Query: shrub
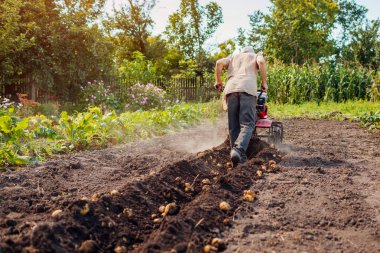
[145,97]
[97,94]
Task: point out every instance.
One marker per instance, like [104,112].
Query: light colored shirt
[242,74]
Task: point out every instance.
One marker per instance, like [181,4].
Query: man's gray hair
[248,49]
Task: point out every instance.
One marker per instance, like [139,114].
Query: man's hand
[264,87]
[219,86]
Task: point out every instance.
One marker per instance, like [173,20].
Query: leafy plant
[32,139]
[371,120]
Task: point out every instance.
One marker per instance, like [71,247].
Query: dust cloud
[201,137]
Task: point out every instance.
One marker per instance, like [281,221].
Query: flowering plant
[145,97]
[98,94]
[7,106]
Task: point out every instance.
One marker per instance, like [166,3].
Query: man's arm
[263,71]
[220,64]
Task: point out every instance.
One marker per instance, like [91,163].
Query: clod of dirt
[224,206]
[200,154]
[89,246]
[56,213]
[128,212]
[259,173]
[219,244]
[170,209]
[209,248]
[167,195]
[120,249]
[153,216]
[229,165]
[219,165]
[114,192]
[178,180]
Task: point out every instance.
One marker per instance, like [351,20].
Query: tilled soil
[320,192]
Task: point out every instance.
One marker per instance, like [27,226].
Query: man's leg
[233,108]
[247,119]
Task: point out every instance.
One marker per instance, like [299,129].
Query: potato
[206,187]
[153,216]
[188,187]
[128,212]
[209,248]
[85,210]
[249,192]
[56,213]
[259,173]
[170,209]
[248,198]
[219,165]
[224,206]
[218,243]
[227,222]
[114,192]
[120,249]
[249,195]
[95,197]
[206,181]
[161,209]
[157,220]
[89,246]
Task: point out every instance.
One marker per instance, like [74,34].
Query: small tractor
[272,130]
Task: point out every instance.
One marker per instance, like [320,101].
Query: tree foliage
[191,25]
[364,47]
[292,37]
[131,25]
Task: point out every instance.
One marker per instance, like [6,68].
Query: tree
[131,28]
[349,17]
[255,37]
[13,40]
[191,25]
[364,47]
[295,31]
[225,49]
[59,45]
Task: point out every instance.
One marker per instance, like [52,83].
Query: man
[241,95]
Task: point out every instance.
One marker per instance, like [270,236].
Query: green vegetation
[319,82]
[54,47]
[368,113]
[32,139]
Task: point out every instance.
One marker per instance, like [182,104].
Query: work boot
[238,156]
[235,156]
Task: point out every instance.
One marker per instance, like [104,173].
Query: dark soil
[322,196]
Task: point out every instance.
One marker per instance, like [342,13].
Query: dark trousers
[241,108]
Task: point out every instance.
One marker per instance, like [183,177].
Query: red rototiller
[270,129]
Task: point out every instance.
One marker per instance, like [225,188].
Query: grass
[351,110]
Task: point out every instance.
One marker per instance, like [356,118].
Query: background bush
[145,97]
